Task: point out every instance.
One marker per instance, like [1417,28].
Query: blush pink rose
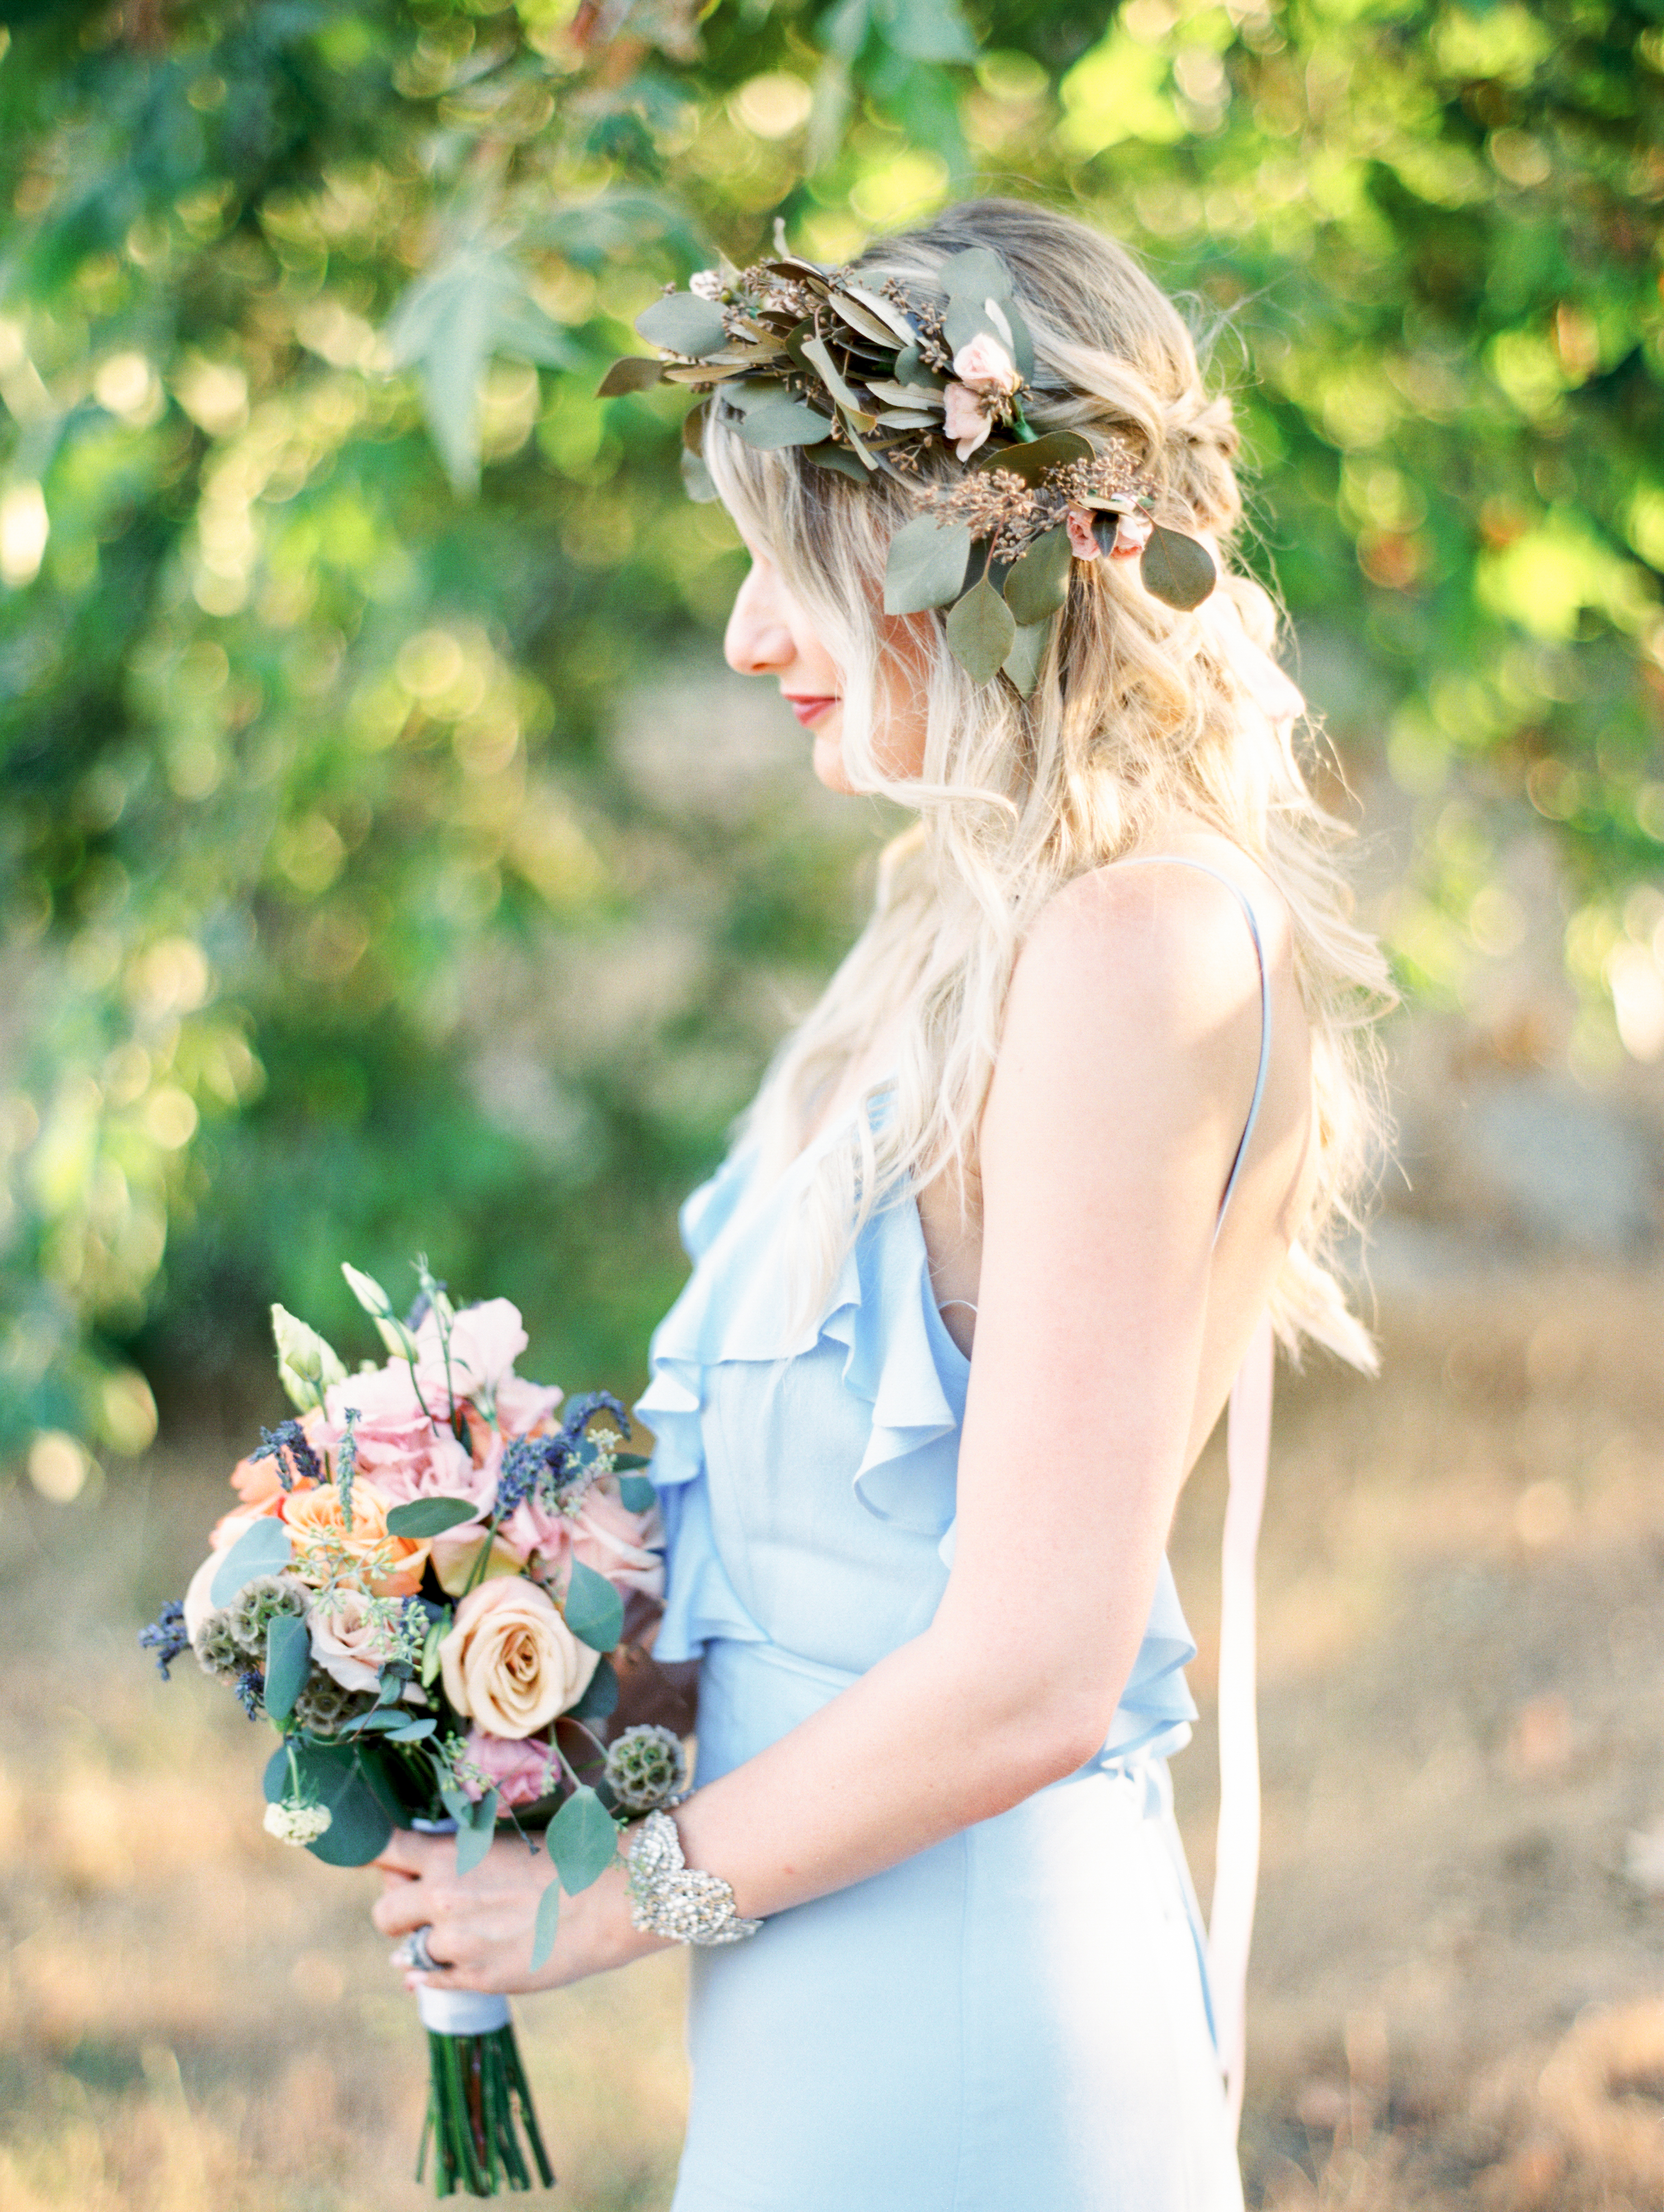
[526,1409]
[348,1642]
[1132,536]
[603,1533]
[404,1453]
[520,1773]
[967,421]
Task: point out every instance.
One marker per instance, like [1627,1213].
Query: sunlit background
[387,864]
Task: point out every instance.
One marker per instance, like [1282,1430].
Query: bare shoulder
[1157,941]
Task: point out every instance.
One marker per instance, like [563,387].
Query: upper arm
[1125,1073]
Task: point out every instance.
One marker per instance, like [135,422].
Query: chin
[827,761]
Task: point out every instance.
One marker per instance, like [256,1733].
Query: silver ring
[413,1952]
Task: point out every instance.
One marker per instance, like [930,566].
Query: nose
[758,640]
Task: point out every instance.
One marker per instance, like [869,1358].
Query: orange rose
[391,1566]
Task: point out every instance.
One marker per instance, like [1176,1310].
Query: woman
[1082,1103]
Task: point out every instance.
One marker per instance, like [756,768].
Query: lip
[807,708]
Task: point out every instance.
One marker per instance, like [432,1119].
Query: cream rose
[510,1661]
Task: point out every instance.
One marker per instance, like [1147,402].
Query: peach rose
[348,1641]
[317,1522]
[510,1661]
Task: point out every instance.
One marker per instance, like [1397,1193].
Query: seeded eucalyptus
[866,381]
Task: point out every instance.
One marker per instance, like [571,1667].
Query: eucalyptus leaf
[1038,584]
[1027,655]
[475,1834]
[977,274]
[1177,568]
[430,1516]
[981,632]
[331,1776]
[457,1803]
[966,319]
[926,565]
[288,1662]
[786,422]
[1033,460]
[1105,525]
[879,319]
[264,1548]
[413,1731]
[600,1699]
[683,323]
[635,372]
[583,1841]
[626,1461]
[594,1610]
[839,458]
[696,479]
[636,1494]
[546,1925]
[817,351]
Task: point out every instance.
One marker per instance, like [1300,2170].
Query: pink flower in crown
[520,1773]
[485,1341]
[985,381]
[1131,535]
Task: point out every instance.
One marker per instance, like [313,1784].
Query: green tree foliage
[323,571]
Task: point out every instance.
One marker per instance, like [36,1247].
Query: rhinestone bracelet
[669,1898]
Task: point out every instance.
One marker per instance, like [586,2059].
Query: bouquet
[425,1588]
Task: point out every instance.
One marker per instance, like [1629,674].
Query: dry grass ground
[1458,1976]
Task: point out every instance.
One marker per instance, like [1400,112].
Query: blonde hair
[1138,709]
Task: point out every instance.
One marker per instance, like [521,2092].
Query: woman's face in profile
[770,634]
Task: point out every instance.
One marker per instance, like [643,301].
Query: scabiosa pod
[647,1768]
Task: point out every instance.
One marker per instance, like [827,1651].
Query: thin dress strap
[1248,1456]
[1182,860]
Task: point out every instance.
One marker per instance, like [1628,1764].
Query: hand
[481,1924]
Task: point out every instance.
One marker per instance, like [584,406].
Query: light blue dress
[1018,2017]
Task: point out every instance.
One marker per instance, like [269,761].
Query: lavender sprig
[287,1441]
[165,1637]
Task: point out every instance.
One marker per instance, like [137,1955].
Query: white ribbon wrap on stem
[462,2012]
[1236,1864]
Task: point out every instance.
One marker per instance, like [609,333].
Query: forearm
[929,1742]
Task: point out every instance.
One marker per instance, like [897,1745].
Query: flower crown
[865,382]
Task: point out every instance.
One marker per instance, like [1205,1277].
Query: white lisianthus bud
[306,1365]
[292,1822]
[367,1292]
[379,1308]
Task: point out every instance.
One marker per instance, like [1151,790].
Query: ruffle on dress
[899,1359]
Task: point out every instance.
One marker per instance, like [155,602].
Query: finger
[409,1853]
[400,1911]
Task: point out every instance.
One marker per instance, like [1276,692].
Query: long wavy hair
[1139,710]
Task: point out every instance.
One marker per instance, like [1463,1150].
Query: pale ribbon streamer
[1237,1863]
